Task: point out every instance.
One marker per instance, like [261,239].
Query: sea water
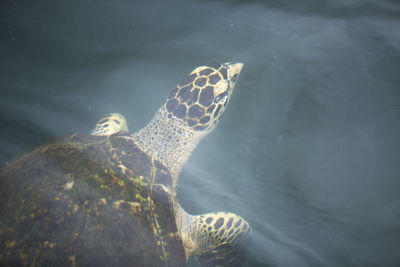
[308,149]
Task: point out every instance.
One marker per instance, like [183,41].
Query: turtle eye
[221,97]
[234,78]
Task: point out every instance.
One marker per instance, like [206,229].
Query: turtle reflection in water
[109,198]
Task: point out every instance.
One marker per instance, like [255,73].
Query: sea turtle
[109,198]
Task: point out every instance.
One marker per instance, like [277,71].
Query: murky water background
[308,150]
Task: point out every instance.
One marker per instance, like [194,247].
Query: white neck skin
[168,140]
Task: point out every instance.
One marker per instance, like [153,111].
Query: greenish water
[308,149]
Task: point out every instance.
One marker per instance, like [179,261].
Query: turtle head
[201,98]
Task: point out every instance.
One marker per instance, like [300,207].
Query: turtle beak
[234,70]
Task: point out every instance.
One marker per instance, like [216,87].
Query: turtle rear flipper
[217,239]
[110,124]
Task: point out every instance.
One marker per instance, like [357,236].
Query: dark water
[308,150]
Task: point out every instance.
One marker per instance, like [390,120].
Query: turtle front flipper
[217,239]
[110,124]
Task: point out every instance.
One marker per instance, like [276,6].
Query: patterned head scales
[201,98]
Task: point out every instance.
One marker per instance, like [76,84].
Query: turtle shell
[84,200]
